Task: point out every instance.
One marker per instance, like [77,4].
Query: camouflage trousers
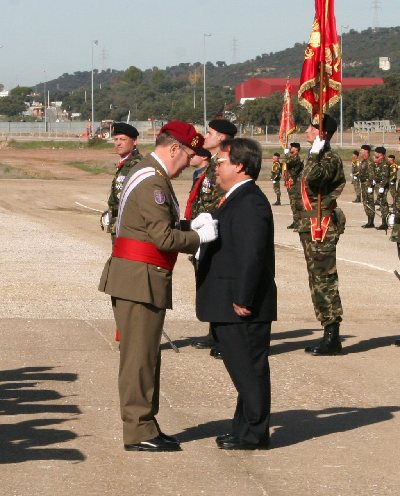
[276,185]
[368,201]
[392,190]
[323,277]
[357,187]
[383,204]
[292,192]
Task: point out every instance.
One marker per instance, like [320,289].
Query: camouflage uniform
[209,193]
[382,182]
[366,176]
[355,180]
[322,173]
[393,180]
[276,174]
[293,169]
[395,236]
[116,188]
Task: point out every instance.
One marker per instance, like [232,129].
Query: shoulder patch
[159,197]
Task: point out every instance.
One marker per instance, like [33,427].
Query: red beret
[185,133]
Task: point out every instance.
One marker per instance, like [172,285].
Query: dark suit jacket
[239,267]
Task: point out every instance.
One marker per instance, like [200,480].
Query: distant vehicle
[104,130]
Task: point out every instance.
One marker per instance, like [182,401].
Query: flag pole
[318,233]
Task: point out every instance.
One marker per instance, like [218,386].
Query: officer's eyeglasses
[220,161]
[189,155]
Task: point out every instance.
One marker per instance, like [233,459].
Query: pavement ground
[335,420]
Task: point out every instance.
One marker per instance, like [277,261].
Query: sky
[42,39]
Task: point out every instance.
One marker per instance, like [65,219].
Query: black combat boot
[382,227]
[291,226]
[370,223]
[278,201]
[330,343]
[357,200]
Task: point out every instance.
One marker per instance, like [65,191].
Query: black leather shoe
[216,354]
[382,227]
[156,444]
[224,437]
[233,443]
[203,343]
[168,439]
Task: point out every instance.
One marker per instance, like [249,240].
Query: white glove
[373,182]
[370,190]
[200,220]
[381,190]
[286,151]
[209,232]
[105,219]
[274,182]
[317,145]
[351,176]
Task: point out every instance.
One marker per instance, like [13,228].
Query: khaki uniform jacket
[149,214]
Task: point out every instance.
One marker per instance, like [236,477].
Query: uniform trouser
[292,192]
[277,189]
[245,348]
[392,190]
[323,277]
[357,187]
[383,204]
[141,327]
[368,201]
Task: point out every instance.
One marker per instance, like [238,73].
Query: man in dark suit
[236,290]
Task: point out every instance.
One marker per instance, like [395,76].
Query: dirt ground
[335,420]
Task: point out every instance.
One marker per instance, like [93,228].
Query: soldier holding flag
[323,178]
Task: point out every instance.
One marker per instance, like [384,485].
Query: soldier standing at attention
[382,182]
[393,167]
[366,176]
[276,174]
[292,167]
[138,277]
[209,196]
[125,145]
[323,175]
[355,180]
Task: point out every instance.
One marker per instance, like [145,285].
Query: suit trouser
[245,348]
[140,327]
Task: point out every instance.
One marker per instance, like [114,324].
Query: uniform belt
[313,213]
[143,251]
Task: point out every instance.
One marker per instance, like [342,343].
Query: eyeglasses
[219,161]
[189,155]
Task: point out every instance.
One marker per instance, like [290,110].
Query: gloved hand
[370,190]
[286,151]
[208,232]
[381,190]
[274,182]
[200,220]
[317,145]
[104,220]
[373,182]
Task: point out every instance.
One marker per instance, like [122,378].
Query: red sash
[316,233]
[143,251]
[193,195]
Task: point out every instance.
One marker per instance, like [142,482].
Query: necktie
[221,201]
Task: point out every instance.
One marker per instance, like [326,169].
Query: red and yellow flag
[287,126]
[323,47]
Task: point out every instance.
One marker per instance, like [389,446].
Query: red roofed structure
[264,87]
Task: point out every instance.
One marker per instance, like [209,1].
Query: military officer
[276,174]
[292,168]
[138,277]
[323,177]
[382,183]
[125,145]
[209,196]
[366,176]
[355,171]
[393,167]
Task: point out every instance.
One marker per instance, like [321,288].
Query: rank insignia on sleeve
[159,197]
